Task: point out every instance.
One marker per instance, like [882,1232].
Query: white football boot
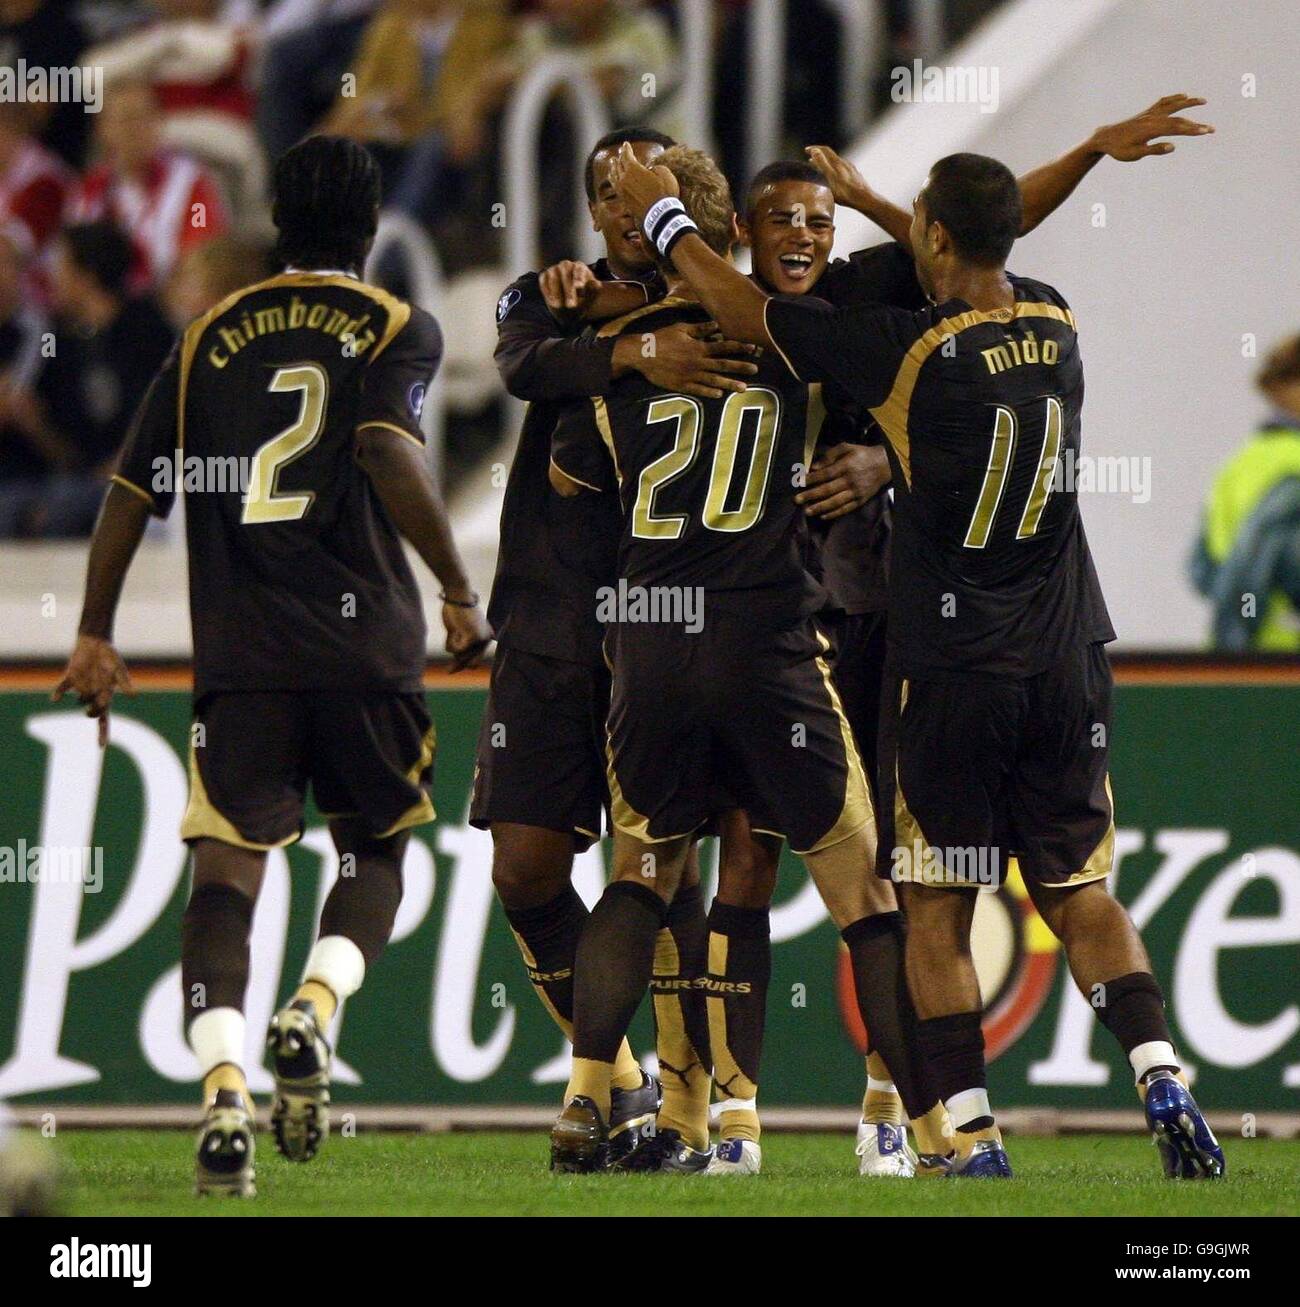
[735,1157]
[883,1151]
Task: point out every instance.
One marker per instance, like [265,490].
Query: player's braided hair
[326,203]
[705,193]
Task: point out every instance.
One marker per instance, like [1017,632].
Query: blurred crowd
[118,226]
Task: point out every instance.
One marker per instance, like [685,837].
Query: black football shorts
[541,754]
[253,755]
[754,715]
[985,769]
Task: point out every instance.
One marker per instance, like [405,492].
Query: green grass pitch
[138,1173]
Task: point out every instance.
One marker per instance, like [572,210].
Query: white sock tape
[1158,1052]
[969,1105]
[337,963]
[880,1086]
[217,1036]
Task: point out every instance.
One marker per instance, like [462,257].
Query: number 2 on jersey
[688,414]
[262,503]
[1001,454]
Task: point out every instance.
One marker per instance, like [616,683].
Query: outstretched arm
[1045,189]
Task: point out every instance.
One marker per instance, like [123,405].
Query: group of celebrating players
[783,557]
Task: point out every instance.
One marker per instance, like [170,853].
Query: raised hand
[568,285]
[638,186]
[1137,137]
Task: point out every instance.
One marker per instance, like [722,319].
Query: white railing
[695,20]
[401,233]
[519,156]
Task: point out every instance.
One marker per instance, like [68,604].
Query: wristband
[666,222]
[460,603]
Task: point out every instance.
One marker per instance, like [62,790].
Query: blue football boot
[987,1160]
[1188,1148]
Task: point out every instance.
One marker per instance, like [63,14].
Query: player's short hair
[326,203]
[706,195]
[103,250]
[1281,366]
[611,141]
[978,201]
[783,170]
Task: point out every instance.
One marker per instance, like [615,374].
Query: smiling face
[625,246]
[790,229]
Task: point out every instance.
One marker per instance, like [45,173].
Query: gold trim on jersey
[399,313]
[577,481]
[118,479]
[893,413]
[814,419]
[601,411]
[422,810]
[785,358]
[203,821]
[614,327]
[857,811]
[388,426]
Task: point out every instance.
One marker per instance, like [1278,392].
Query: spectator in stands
[198,64]
[166,201]
[308,47]
[419,74]
[34,187]
[108,345]
[208,273]
[27,452]
[47,34]
[1247,559]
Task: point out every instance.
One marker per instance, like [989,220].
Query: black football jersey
[851,554]
[298,579]
[706,486]
[553,553]
[990,567]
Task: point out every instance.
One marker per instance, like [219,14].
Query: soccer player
[728,686]
[996,622]
[789,225]
[539,780]
[295,404]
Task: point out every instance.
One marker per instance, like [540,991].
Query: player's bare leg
[946,992]
[614,964]
[865,910]
[355,924]
[1111,968]
[739,969]
[214,977]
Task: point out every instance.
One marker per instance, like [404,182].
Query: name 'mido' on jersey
[707,485]
[990,569]
[298,579]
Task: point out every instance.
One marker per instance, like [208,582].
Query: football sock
[876,947]
[362,906]
[1133,1011]
[954,1048]
[614,961]
[933,1132]
[547,936]
[334,972]
[217,1038]
[881,1104]
[591,1079]
[214,951]
[681,1022]
[740,967]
